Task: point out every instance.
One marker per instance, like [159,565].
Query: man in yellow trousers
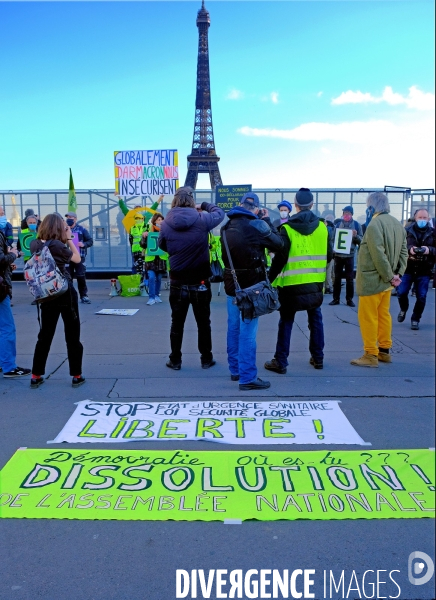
[381,262]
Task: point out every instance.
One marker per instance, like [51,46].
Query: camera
[261,213]
[419,253]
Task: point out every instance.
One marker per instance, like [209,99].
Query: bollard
[114,290]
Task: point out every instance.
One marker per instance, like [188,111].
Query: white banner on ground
[228,422]
[343,239]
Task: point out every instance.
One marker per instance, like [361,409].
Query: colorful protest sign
[119,312]
[25,241]
[152,247]
[229,196]
[343,239]
[228,422]
[213,486]
[146,172]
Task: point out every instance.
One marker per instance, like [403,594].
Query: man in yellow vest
[299,272]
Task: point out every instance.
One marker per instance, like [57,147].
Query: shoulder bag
[256,300]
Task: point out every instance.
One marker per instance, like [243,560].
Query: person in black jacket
[184,236]
[247,237]
[8,349]
[305,295]
[421,247]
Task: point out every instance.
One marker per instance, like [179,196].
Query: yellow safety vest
[307,261]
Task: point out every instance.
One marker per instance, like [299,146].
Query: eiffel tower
[203,157]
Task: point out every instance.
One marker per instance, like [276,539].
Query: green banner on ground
[214,486]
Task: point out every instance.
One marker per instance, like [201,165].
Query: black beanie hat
[304,197]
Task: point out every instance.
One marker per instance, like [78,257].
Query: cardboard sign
[229,196]
[152,247]
[119,312]
[343,239]
[226,422]
[146,172]
[162,485]
[25,240]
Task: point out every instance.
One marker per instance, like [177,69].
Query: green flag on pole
[72,200]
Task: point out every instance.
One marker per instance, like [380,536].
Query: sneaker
[151,302]
[273,365]
[234,377]
[414,326]
[17,372]
[208,365]
[334,303]
[350,303]
[35,382]
[328,291]
[401,316]
[78,381]
[384,357]
[173,366]
[316,365]
[85,300]
[158,300]
[259,384]
[367,360]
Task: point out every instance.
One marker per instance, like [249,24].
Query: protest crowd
[286,265]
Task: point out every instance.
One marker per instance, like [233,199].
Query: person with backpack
[56,235]
[8,349]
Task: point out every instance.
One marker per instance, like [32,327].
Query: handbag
[217,271]
[257,300]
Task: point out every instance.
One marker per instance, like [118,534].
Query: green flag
[72,200]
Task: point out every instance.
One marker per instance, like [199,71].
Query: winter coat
[382,254]
[6,259]
[8,233]
[304,296]
[184,235]
[247,237]
[417,237]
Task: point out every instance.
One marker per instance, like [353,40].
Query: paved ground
[391,407]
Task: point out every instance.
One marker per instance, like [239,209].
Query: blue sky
[316,94]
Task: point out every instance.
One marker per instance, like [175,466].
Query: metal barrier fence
[98,211]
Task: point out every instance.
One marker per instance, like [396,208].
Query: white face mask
[284,214]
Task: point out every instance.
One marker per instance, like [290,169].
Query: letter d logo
[414,569]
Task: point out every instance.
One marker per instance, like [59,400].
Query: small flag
[72,200]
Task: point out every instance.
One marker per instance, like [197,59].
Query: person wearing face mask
[79,269]
[421,260]
[156,266]
[32,226]
[6,228]
[346,261]
[285,209]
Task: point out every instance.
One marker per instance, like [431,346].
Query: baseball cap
[71,214]
[251,198]
[348,209]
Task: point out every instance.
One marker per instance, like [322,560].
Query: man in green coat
[381,262]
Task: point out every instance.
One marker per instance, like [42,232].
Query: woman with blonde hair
[56,235]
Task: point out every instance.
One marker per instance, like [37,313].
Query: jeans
[316,339]
[181,296]
[241,344]
[78,270]
[421,286]
[154,281]
[67,307]
[8,350]
[341,264]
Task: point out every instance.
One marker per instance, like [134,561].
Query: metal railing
[98,211]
